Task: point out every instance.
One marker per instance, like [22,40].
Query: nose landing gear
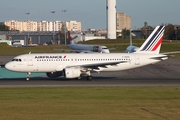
[28,76]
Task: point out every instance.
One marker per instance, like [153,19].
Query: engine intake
[72,72]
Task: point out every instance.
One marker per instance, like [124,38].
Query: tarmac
[5,58]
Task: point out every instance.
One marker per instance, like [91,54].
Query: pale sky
[92,13]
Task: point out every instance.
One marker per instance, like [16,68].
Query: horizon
[92,14]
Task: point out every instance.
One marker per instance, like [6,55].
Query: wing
[74,50]
[77,51]
[64,50]
[113,48]
[97,66]
[81,51]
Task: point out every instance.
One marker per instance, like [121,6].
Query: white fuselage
[92,48]
[57,62]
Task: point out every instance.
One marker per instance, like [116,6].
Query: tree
[125,33]
[146,30]
[145,25]
[61,35]
[169,33]
[3,27]
[172,32]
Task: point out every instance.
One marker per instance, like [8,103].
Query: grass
[8,50]
[87,103]
[120,45]
[101,103]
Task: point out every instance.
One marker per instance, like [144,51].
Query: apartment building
[42,26]
[14,25]
[74,26]
[28,26]
[123,21]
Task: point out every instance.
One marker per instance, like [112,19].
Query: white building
[123,21]
[74,26]
[42,26]
[14,25]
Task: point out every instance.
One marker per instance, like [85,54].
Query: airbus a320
[74,65]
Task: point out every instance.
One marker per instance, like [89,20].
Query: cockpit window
[104,48]
[18,60]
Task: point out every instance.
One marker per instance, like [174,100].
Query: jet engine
[54,74]
[72,72]
[131,49]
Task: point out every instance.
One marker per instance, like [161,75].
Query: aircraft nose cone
[9,66]
[105,51]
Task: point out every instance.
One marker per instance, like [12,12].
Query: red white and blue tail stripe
[153,42]
[70,38]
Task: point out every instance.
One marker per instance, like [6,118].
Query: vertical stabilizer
[70,38]
[153,42]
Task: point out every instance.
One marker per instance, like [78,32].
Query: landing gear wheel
[89,78]
[28,76]
[78,78]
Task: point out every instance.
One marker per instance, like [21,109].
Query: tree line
[3,27]
[172,32]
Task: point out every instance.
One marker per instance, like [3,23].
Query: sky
[91,13]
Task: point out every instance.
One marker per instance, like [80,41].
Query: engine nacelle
[131,49]
[54,74]
[72,72]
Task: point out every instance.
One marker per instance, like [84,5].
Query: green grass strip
[87,103]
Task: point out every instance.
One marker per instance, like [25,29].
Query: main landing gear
[89,78]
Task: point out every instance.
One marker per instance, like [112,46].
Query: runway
[5,58]
[99,81]
[165,73]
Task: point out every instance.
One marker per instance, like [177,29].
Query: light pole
[27,27]
[53,27]
[64,11]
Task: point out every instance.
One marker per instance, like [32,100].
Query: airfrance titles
[51,57]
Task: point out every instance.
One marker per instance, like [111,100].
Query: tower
[111,18]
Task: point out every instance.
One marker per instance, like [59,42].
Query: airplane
[74,65]
[85,48]
[131,48]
